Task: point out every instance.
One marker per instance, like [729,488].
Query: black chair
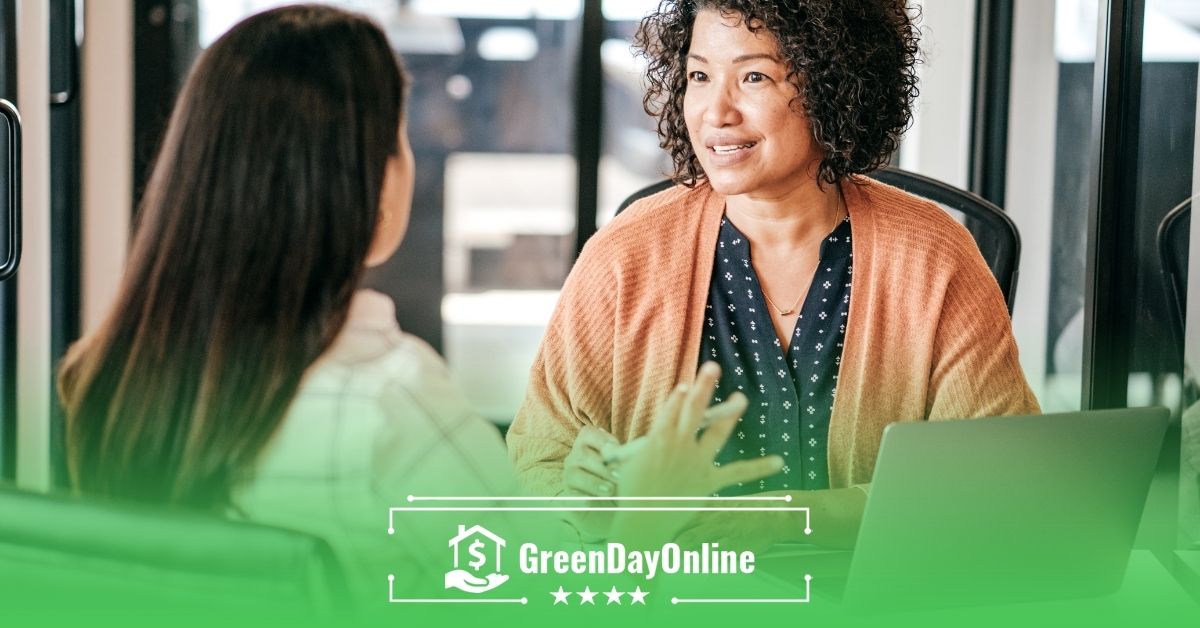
[1173,234]
[55,548]
[995,233]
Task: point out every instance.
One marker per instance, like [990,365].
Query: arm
[570,384]
[976,371]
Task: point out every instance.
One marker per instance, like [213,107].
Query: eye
[696,76]
[755,77]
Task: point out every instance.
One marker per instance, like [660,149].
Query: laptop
[996,510]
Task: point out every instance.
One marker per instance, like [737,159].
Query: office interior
[1078,118]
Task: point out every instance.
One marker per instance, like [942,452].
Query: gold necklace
[782,312]
[792,310]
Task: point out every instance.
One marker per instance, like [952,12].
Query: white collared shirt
[377,418]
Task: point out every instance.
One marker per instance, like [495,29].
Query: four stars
[587,596]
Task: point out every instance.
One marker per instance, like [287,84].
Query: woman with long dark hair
[240,370]
[250,240]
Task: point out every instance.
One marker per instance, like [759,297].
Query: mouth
[731,149]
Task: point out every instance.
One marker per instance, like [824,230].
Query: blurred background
[527,125]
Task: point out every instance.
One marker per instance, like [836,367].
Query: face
[395,202]
[748,135]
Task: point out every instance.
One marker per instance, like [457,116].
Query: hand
[584,472]
[585,475]
[675,462]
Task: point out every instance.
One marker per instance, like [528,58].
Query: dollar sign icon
[475,550]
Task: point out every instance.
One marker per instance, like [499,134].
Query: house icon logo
[476,560]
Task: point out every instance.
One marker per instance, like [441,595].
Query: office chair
[55,548]
[994,232]
[1173,234]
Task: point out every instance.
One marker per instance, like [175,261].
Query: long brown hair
[250,241]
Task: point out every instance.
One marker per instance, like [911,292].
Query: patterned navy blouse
[790,389]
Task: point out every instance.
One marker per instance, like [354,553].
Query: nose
[721,108]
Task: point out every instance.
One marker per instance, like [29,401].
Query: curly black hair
[853,63]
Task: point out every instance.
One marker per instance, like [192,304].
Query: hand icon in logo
[464,581]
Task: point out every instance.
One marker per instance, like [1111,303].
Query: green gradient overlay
[89,586]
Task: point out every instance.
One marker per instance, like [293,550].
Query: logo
[473,571]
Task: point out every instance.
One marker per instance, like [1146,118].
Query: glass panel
[1166,184]
[7,228]
[631,157]
[491,117]
[1171,54]
[1166,136]
[1189,481]
[8,289]
[1048,191]
[938,143]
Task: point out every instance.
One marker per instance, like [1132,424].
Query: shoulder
[662,207]
[651,221]
[371,356]
[352,401]
[398,406]
[397,370]
[654,232]
[908,227]
[368,431]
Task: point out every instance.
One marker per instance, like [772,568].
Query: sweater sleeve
[976,371]
[570,384]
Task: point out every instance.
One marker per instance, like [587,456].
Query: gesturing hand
[584,472]
[675,461]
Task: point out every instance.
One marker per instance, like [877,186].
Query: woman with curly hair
[836,303]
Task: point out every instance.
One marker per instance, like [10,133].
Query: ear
[395,204]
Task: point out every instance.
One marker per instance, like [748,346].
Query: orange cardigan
[928,336]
